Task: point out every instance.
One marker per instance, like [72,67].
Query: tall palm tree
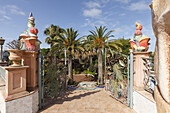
[68,39]
[100,41]
[89,48]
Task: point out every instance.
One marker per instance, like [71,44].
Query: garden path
[86,101]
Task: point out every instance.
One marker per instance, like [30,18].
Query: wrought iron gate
[51,78]
[119,76]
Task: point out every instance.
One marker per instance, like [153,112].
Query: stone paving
[86,101]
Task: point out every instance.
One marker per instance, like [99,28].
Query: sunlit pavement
[86,101]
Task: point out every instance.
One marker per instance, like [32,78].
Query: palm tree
[68,39]
[100,41]
[115,45]
[89,48]
[52,32]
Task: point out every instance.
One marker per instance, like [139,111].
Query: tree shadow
[63,97]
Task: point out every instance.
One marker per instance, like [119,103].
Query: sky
[82,15]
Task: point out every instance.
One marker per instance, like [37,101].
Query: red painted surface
[34,30]
[30,44]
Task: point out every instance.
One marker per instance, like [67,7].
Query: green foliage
[52,32]
[45,51]
[99,40]
[117,71]
[91,68]
[53,76]
[123,44]
[52,79]
[88,72]
[54,73]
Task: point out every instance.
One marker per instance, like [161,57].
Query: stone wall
[2,104]
[27,104]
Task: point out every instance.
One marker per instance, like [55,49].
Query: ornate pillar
[31,44]
[30,59]
[139,67]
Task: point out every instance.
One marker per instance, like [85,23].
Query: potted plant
[14,47]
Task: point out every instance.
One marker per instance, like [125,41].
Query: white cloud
[123,1]
[88,23]
[14,10]
[92,12]
[8,10]
[92,4]
[7,17]
[138,6]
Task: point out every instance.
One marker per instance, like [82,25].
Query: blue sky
[82,15]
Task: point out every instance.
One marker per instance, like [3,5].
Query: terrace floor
[86,101]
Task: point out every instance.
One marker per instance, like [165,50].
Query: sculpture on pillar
[140,42]
[29,37]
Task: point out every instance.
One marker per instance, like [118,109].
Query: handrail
[149,80]
[2,73]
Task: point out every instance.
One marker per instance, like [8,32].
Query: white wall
[27,104]
[143,105]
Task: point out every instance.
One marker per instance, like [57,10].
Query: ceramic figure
[139,42]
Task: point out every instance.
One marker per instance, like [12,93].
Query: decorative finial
[31,20]
[31,14]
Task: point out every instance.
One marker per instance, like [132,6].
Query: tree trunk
[91,60]
[100,67]
[70,69]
